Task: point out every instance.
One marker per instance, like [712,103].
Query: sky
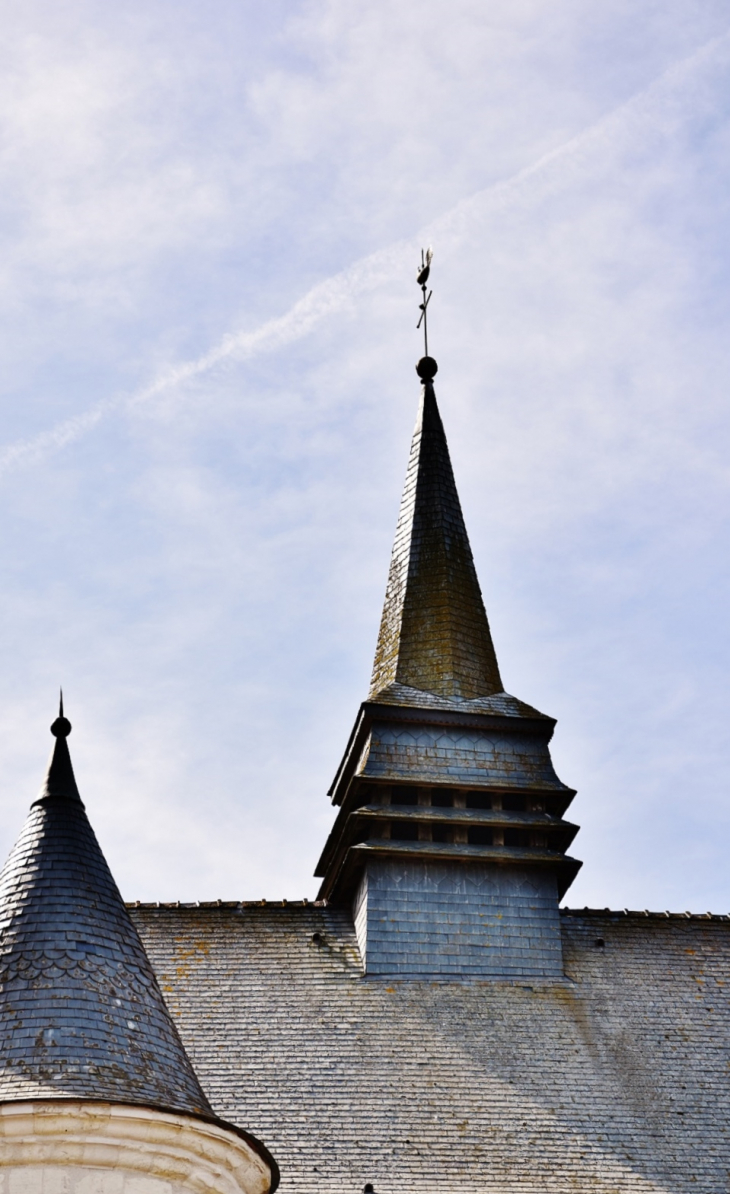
[211,217]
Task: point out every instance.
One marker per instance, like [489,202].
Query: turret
[96,1089]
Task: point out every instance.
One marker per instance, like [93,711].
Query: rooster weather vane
[426,367]
[422,279]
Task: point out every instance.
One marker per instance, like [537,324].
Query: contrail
[649,110]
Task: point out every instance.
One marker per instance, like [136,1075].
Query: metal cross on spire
[422,279]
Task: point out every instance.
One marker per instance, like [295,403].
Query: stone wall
[69,1146]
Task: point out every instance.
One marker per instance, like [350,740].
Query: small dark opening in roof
[480,836]
[478,800]
[404,831]
[441,799]
[599,943]
[515,804]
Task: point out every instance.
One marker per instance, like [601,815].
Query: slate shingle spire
[81,1013]
[449,841]
[434,634]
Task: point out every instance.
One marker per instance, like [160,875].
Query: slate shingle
[613,1080]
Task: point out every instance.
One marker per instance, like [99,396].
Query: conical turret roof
[434,634]
[81,1013]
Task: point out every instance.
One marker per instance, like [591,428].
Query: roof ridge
[644,914]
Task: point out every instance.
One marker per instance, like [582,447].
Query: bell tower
[449,843]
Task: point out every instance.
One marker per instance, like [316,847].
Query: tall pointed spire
[449,842]
[434,634]
[81,1013]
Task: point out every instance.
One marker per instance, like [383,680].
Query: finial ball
[61,727]
[427,368]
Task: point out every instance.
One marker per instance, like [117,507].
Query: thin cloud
[649,109]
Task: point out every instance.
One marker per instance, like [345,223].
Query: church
[437,1020]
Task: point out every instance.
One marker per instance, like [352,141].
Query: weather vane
[422,279]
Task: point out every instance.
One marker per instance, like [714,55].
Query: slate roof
[612,1081]
[81,1012]
[498,704]
[434,635]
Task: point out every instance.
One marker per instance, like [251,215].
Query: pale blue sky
[210,221]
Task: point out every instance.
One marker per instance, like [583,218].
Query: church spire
[450,841]
[434,634]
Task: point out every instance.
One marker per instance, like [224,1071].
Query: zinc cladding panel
[615,1080]
[438,920]
[472,757]
[360,914]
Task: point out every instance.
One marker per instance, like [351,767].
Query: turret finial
[61,727]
